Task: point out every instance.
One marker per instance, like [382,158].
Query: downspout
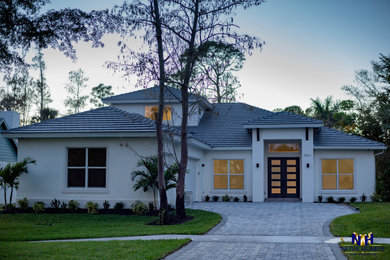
[375,154]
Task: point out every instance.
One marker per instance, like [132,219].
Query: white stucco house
[234,149]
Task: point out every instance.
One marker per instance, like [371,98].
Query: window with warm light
[229,174]
[337,174]
[152,112]
[283,148]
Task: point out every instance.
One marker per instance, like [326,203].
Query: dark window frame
[86,169]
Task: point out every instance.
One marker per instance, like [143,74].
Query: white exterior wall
[207,178]
[260,184]
[48,178]
[364,175]
[194,175]
[176,109]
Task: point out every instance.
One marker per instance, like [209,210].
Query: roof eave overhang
[253,126]
[367,147]
[232,148]
[81,135]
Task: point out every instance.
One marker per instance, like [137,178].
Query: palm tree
[9,177]
[147,179]
[325,110]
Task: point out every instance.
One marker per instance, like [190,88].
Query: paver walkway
[262,231]
[272,230]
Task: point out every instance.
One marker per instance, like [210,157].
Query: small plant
[39,207]
[245,198]
[207,198]
[151,208]
[225,198]
[341,199]
[330,199]
[64,206]
[10,207]
[55,204]
[376,197]
[352,200]
[73,205]
[139,208]
[215,198]
[119,206]
[92,207]
[363,197]
[320,198]
[160,220]
[23,204]
[236,199]
[106,205]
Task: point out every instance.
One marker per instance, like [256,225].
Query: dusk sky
[312,49]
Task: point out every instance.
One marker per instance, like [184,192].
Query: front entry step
[282,200]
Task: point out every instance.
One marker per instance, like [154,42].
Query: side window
[152,112]
[87,167]
[229,174]
[337,174]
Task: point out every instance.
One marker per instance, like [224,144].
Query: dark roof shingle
[328,137]
[101,120]
[152,95]
[222,126]
[283,118]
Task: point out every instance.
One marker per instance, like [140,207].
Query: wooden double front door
[283,177]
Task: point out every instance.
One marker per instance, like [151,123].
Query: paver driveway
[267,219]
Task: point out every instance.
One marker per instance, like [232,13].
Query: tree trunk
[219,98]
[10,195]
[159,131]
[5,198]
[41,87]
[154,198]
[180,208]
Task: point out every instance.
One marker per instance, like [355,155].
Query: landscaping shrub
[376,197]
[225,198]
[341,199]
[64,206]
[207,198]
[319,198]
[363,197]
[73,205]
[10,207]
[352,200]
[23,204]
[215,198]
[330,199]
[151,208]
[119,206]
[236,199]
[106,205]
[245,198]
[39,207]
[55,204]
[383,185]
[139,208]
[92,207]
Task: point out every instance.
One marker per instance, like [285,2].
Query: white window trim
[228,176]
[337,190]
[85,189]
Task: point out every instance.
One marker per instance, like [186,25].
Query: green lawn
[22,227]
[380,255]
[373,217]
[154,249]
